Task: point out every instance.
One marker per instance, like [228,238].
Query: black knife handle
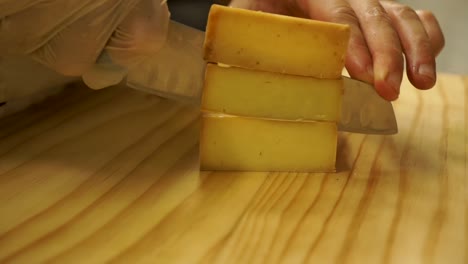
[193,13]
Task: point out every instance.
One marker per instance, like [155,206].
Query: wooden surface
[89,177]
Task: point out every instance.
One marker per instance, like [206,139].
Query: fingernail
[427,70]
[389,82]
[394,80]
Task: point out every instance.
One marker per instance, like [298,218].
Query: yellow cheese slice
[275,43]
[230,143]
[252,93]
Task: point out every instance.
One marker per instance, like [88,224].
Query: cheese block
[232,143]
[252,93]
[275,43]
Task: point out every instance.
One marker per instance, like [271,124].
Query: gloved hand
[382,32]
[71,36]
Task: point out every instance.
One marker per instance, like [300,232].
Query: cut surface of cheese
[275,43]
[231,143]
[252,93]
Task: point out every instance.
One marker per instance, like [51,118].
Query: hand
[382,32]
[68,36]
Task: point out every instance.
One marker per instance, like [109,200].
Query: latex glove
[382,32]
[69,36]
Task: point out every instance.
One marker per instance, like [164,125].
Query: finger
[384,46]
[29,24]
[142,33]
[71,43]
[420,61]
[75,48]
[358,60]
[433,29]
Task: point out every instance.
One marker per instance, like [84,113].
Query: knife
[177,72]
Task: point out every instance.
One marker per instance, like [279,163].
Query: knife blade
[364,111]
[177,72]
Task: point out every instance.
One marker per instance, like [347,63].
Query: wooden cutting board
[112,175]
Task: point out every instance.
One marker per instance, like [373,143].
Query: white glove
[69,36]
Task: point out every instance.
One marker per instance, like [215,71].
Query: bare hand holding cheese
[275,43]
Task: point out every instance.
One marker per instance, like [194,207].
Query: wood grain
[112,176]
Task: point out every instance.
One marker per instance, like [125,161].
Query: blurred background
[452,15]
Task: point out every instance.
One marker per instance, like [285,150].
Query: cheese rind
[275,43]
[230,143]
[252,93]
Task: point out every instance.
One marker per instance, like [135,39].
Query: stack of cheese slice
[272,92]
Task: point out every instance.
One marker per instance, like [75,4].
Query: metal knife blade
[177,72]
[364,111]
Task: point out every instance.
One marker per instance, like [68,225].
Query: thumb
[142,33]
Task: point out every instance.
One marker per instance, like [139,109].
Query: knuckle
[343,13]
[404,12]
[374,14]
[433,29]
[145,36]
[426,14]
